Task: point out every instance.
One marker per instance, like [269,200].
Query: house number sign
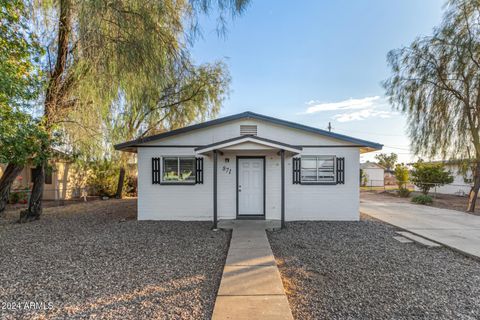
[227,170]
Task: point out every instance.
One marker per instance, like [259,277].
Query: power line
[372,133]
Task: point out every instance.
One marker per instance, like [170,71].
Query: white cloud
[364,108]
[367,102]
[363,114]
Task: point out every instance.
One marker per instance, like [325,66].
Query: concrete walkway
[251,287]
[455,229]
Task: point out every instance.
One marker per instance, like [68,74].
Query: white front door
[250,186]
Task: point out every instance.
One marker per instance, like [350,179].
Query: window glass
[178,169]
[187,168]
[309,169]
[326,169]
[48,175]
[318,169]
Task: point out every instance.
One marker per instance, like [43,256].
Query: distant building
[374,174]
[61,180]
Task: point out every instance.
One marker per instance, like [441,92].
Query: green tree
[20,135]
[402,176]
[102,52]
[436,82]
[428,175]
[21,142]
[387,161]
[19,50]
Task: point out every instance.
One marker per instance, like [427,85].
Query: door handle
[239,188]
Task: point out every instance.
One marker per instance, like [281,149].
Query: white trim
[248,139]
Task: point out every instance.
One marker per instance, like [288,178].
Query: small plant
[422,199]
[403,192]
[18,196]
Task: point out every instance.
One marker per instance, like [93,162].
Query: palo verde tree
[98,51]
[436,82]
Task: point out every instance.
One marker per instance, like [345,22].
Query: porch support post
[215,189]
[282,154]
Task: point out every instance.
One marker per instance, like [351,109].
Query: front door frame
[259,216]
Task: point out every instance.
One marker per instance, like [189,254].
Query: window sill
[318,183]
[177,183]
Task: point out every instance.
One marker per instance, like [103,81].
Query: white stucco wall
[195,202]
[375,177]
[458,186]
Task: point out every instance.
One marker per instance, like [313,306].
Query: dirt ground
[444,201]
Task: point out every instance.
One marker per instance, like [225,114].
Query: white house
[248,166]
[375,174]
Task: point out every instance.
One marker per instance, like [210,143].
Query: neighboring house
[248,166]
[61,182]
[375,174]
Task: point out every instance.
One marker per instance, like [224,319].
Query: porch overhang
[248,143]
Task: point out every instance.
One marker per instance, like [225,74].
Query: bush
[402,176]
[18,197]
[403,192]
[422,199]
[427,175]
[103,178]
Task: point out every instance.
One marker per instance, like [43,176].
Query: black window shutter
[297,165]
[199,170]
[340,170]
[155,170]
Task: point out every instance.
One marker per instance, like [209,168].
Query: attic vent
[248,130]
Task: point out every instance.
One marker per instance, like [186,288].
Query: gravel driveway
[356,270]
[94,260]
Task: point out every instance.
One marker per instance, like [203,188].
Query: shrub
[403,192]
[422,199]
[402,175]
[426,175]
[18,197]
[103,178]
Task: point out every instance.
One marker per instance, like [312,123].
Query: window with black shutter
[199,171]
[297,170]
[340,170]
[155,170]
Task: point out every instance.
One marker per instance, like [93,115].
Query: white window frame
[188,182]
[334,181]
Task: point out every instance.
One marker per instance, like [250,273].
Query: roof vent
[248,130]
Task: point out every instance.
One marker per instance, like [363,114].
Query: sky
[320,61]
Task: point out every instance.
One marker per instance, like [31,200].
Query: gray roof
[250,115]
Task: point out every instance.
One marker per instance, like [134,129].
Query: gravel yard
[356,270]
[95,260]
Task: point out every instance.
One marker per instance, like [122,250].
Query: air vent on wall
[248,130]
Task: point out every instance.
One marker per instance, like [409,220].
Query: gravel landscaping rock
[81,261]
[357,270]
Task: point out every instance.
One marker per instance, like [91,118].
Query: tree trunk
[121,180]
[472,196]
[52,96]
[11,173]
[34,210]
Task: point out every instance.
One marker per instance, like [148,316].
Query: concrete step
[418,239]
